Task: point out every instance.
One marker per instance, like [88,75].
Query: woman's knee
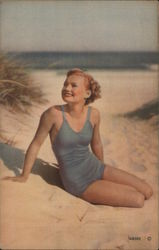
[148,190]
[149,193]
[140,200]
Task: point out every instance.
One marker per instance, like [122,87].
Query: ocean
[87,60]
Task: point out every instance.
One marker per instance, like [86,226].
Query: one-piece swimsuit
[79,167]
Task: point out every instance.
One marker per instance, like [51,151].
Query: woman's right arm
[46,122]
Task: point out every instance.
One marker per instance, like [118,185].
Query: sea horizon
[123,60]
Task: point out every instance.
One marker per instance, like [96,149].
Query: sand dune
[40,214]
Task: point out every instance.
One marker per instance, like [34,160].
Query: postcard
[79,124]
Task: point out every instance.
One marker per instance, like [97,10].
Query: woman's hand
[20,178]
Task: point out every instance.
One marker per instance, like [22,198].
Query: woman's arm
[96,144]
[45,124]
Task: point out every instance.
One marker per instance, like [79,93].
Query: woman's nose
[68,87]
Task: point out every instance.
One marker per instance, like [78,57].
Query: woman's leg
[122,177]
[112,194]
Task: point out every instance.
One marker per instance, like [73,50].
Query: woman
[72,127]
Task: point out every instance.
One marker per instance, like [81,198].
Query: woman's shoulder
[94,111]
[95,114]
[52,111]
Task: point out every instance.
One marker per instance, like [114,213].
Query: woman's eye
[74,85]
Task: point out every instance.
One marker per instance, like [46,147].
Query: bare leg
[122,177]
[113,194]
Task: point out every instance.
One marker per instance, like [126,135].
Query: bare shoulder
[51,114]
[95,115]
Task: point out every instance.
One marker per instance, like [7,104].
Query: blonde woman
[72,127]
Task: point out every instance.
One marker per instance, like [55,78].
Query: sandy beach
[40,214]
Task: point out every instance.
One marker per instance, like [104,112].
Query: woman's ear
[88,93]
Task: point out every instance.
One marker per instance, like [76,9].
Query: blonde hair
[92,84]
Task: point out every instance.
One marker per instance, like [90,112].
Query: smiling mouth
[67,94]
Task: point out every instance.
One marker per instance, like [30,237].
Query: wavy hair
[91,84]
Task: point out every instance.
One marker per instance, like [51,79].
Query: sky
[78,25]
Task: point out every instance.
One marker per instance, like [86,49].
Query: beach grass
[18,92]
[17,89]
[146,111]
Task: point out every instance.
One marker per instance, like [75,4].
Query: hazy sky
[78,25]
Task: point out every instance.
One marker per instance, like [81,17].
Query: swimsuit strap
[63,113]
[88,113]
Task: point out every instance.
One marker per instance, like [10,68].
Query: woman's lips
[67,94]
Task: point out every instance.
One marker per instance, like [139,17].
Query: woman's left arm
[96,143]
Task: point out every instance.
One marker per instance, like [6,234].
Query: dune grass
[18,92]
[17,89]
[146,111]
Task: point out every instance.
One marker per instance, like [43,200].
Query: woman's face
[74,89]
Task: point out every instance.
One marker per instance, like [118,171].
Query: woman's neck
[75,109]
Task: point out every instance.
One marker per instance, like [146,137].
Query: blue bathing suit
[79,167]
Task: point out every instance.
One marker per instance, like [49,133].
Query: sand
[40,214]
